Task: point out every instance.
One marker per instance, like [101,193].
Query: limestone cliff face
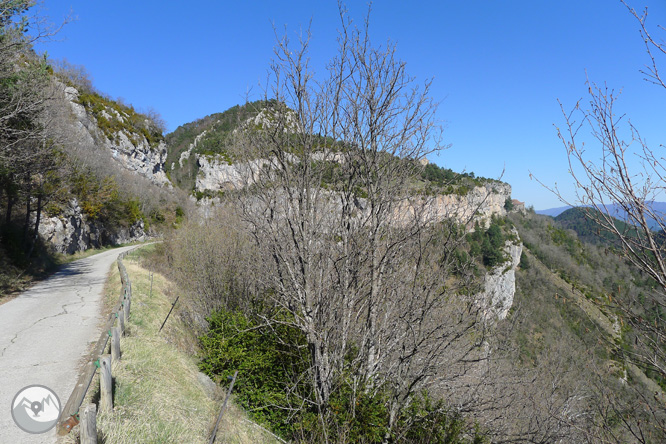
[480,204]
[72,231]
[130,149]
[187,153]
[93,129]
[500,284]
[216,174]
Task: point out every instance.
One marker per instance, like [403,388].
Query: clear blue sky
[499,66]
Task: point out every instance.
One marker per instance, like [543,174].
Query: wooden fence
[114,328]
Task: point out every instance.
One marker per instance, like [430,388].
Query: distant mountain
[615,210]
[553,212]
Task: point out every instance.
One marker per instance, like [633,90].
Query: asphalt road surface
[46,332]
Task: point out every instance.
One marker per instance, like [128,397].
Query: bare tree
[629,175]
[351,250]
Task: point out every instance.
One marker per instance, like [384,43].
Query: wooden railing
[86,418]
[113,329]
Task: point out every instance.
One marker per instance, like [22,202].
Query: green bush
[273,362]
[267,359]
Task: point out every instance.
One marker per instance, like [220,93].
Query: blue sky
[499,66]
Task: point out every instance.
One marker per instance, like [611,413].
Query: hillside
[568,287]
[201,157]
[580,221]
[206,136]
[360,293]
[659,209]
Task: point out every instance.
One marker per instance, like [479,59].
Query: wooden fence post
[121,321]
[115,344]
[88,425]
[224,406]
[105,384]
[126,306]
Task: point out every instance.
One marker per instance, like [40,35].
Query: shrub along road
[45,332]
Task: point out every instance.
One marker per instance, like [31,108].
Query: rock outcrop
[500,284]
[72,231]
[479,205]
[217,174]
[130,149]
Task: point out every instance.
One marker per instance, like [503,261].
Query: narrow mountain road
[45,332]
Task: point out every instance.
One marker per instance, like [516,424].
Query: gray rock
[500,285]
[72,231]
[131,150]
[210,388]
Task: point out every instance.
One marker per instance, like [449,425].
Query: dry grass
[158,397]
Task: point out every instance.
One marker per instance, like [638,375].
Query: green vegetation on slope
[440,180]
[217,128]
[569,295]
[581,220]
[113,117]
[274,382]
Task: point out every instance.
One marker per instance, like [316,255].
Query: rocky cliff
[500,283]
[479,204]
[470,201]
[72,231]
[217,174]
[99,130]
[114,128]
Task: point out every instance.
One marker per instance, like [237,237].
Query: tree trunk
[35,236]
[26,224]
[10,206]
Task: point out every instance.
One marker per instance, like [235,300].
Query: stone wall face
[72,231]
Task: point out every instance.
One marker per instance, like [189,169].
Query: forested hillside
[582,221]
[574,306]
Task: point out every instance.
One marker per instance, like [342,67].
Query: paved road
[44,334]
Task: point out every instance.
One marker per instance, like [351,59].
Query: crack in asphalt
[63,312]
[9,345]
[80,292]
